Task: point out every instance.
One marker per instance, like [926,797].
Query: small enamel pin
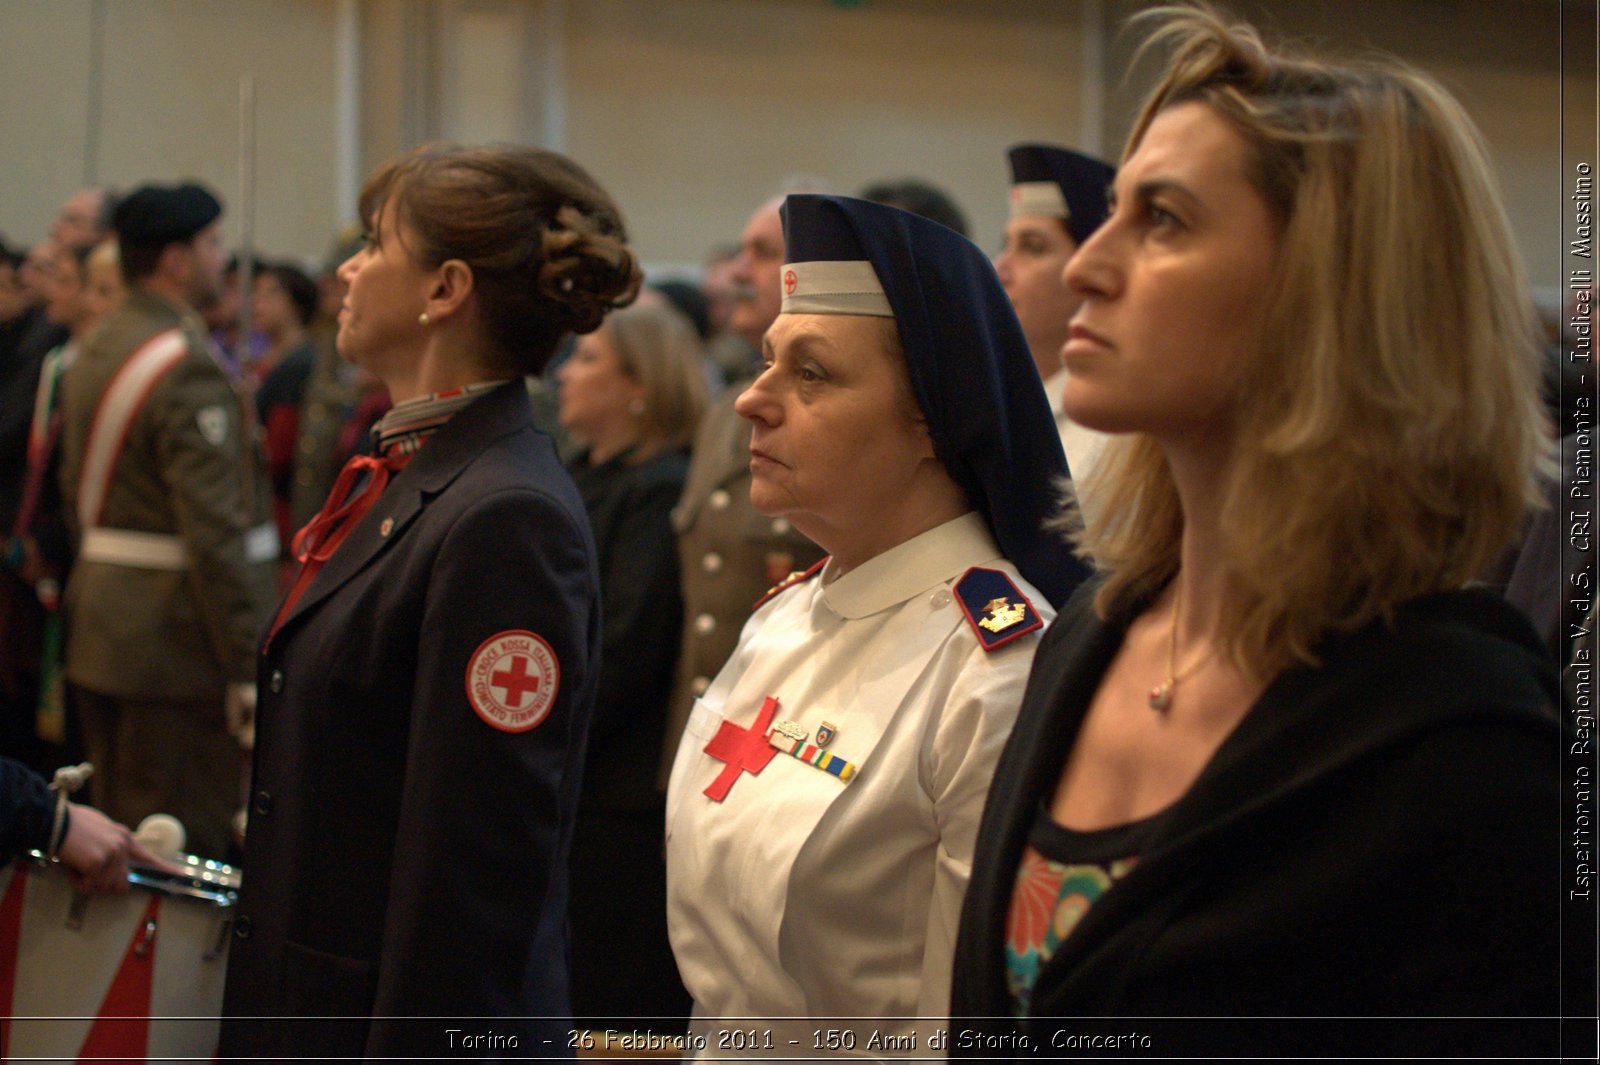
[792,731]
[826,732]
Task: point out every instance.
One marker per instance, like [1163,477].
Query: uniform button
[712,562]
[275,682]
[263,803]
[699,685]
[241,927]
[719,500]
[780,525]
[940,599]
[705,624]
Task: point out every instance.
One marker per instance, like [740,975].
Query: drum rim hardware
[200,878]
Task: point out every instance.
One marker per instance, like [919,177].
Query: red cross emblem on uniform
[789,282]
[515,681]
[745,750]
[512,680]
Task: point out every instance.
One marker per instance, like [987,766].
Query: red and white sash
[118,406]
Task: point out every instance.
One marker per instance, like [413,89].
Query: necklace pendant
[1161,696]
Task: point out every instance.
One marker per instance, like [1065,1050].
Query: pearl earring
[423,319]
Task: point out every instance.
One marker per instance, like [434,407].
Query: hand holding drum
[97,852]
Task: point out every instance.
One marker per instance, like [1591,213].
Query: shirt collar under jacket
[407,426]
[906,570]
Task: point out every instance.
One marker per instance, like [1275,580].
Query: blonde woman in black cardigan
[1279,760]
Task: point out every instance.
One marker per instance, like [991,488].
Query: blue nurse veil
[970,368]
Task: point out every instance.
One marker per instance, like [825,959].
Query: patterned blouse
[1063,873]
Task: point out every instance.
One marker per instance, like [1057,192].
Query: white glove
[239,710]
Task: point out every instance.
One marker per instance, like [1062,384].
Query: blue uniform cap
[971,369]
[1080,186]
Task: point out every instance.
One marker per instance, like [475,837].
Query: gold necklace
[1160,697]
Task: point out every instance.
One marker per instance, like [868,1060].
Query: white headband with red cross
[1038,198]
[837,287]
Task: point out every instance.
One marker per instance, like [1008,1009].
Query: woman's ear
[452,285]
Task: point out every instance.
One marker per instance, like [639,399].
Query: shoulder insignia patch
[213,423]
[797,577]
[512,680]
[995,607]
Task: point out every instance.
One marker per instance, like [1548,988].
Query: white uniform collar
[943,553]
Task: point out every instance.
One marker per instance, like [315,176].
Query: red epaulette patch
[789,582]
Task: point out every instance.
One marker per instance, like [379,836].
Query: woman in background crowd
[236,354]
[105,289]
[632,392]
[428,679]
[284,305]
[331,394]
[39,548]
[1057,199]
[1281,760]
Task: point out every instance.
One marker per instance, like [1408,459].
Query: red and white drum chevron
[126,977]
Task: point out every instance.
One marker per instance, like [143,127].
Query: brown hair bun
[546,245]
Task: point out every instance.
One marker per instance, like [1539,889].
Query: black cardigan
[641,609]
[1377,838]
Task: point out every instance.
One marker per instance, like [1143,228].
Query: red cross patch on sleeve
[512,680]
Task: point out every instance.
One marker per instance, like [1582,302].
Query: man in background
[160,477]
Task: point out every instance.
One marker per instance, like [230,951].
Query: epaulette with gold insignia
[995,607]
[789,582]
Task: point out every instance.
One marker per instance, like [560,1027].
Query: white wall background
[690,111]
[124,91]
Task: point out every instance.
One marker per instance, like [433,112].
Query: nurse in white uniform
[825,797]
[1058,198]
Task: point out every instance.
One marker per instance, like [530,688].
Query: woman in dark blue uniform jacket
[426,686]
[1280,761]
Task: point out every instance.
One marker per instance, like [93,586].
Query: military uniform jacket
[729,555]
[189,468]
[801,894]
[1378,837]
[410,821]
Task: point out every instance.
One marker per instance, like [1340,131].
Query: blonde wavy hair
[658,347]
[1389,430]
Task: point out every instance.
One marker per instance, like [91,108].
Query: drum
[128,977]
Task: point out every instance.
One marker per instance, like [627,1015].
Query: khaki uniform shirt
[190,468]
